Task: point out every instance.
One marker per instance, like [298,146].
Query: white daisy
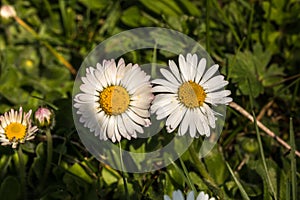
[115,100]
[185,95]
[177,195]
[7,11]
[16,128]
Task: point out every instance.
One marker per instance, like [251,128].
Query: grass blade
[263,158]
[241,188]
[184,176]
[190,182]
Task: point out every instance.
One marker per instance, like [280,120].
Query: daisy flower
[16,127]
[114,101]
[177,195]
[187,94]
[44,118]
[7,11]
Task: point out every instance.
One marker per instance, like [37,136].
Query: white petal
[142,104]
[209,73]
[131,123]
[137,119]
[210,116]
[121,127]
[111,128]
[175,118]
[190,196]
[117,133]
[213,82]
[144,89]
[141,112]
[200,70]
[101,78]
[166,110]
[185,123]
[86,88]
[166,197]
[177,195]
[166,83]
[191,64]
[130,76]
[183,68]
[168,75]
[108,71]
[217,86]
[175,70]
[192,128]
[199,120]
[161,101]
[202,196]
[164,89]
[85,98]
[220,94]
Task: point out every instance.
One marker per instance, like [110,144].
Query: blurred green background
[256,43]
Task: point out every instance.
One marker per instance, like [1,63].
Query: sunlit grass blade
[184,176]
[46,44]
[241,188]
[261,150]
[293,161]
[154,59]
[190,182]
[263,158]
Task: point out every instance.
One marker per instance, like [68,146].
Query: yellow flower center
[15,131]
[191,94]
[114,100]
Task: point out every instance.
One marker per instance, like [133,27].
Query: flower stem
[203,172]
[22,171]
[49,157]
[123,176]
[49,152]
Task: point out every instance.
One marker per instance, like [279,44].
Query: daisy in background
[16,127]
[7,11]
[177,195]
[114,101]
[186,94]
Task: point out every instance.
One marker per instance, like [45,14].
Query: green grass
[256,44]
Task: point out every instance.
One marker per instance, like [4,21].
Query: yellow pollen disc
[114,100]
[15,131]
[191,94]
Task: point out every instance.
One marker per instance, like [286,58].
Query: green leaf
[10,189]
[191,7]
[162,7]
[37,167]
[95,5]
[109,177]
[251,66]
[132,17]
[78,171]
[277,176]
[219,173]
[196,179]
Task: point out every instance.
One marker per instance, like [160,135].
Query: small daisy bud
[44,118]
[7,11]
